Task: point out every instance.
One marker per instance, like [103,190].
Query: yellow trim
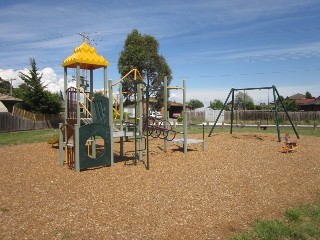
[84,94]
[135,71]
[175,87]
[84,107]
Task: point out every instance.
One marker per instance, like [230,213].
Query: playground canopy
[86,57]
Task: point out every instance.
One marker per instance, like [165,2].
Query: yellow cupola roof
[86,57]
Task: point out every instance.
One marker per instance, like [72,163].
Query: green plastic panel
[100,110]
[93,130]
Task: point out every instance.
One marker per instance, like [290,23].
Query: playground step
[86,120]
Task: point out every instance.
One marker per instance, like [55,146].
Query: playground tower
[74,137]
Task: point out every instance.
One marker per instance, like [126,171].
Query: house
[312,106]
[8,101]
[304,103]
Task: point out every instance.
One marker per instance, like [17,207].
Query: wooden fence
[20,120]
[268,117]
[257,117]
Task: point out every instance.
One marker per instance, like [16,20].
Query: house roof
[304,101]
[297,96]
[314,102]
[4,97]
[87,57]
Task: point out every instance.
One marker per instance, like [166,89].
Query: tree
[216,104]
[308,95]
[195,103]
[289,104]
[35,98]
[5,87]
[243,100]
[141,52]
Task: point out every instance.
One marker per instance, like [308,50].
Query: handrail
[126,75]
[84,94]
[85,108]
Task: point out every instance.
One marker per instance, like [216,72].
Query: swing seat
[290,147]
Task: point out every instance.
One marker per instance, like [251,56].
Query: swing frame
[275,96]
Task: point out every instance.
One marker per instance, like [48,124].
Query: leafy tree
[289,104]
[242,100]
[195,103]
[216,104]
[250,105]
[35,98]
[308,95]
[5,87]
[141,52]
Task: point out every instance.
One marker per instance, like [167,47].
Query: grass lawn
[302,222]
[16,138]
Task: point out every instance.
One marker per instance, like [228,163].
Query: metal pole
[165,103]
[91,85]
[140,121]
[288,116]
[61,160]
[121,118]
[110,92]
[232,111]
[203,146]
[147,125]
[185,120]
[78,93]
[76,148]
[276,113]
[224,105]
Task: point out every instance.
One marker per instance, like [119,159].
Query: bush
[180,119]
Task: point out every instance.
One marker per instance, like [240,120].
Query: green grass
[16,138]
[22,137]
[302,222]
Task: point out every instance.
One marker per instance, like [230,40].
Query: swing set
[275,97]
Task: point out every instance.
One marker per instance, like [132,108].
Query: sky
[214,45]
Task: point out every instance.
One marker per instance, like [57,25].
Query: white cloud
[50,79]
[8,74]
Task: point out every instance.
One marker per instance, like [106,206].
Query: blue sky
[213,45]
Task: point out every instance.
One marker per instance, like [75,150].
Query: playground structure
[275,97]
[184,141]
[86,139]
[78,145]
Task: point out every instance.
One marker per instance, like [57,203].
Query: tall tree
[216,104]
[142,52]
[35,98]
[308,95]
[243,100]
[4,86]
[289,104]
[195,103]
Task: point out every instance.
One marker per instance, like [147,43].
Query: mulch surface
[202,195]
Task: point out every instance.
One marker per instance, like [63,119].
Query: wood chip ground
[202,195]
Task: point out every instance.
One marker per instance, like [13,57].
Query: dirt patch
[201,195]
